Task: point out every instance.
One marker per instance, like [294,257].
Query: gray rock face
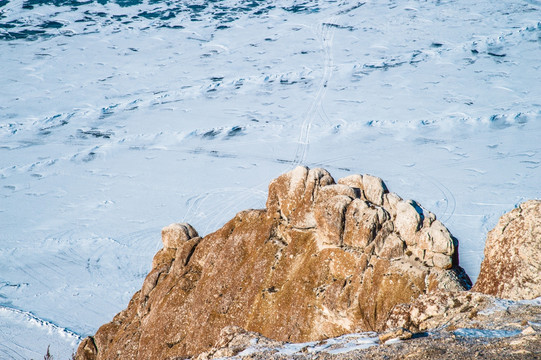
[511,268]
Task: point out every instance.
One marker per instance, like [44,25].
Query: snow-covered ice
[120,117]
[487,333]
[338,345]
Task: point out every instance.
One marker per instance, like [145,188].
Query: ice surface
[505,304]
[338,345]
[120,117]
[488,333]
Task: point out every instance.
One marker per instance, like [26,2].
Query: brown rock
[292,195]
[320,261]
[361,224]
[374,188]
[353,181]
[407,221]
[512,265]
[400,333]
[329,212]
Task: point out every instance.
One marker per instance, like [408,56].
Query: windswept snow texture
[24,328]
[120,117]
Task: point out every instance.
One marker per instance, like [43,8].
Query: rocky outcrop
[323,259]
[511,268]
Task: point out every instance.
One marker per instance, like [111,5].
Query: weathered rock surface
[511,268]
[462,309]
[462,325]
[323,259]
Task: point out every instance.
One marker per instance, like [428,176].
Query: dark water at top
[20,23]
[162,13]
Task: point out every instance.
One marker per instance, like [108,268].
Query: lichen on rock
[512,265]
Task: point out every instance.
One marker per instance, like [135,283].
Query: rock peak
[360,213]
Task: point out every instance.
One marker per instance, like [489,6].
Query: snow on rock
[237,343]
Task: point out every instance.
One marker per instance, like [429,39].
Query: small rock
[528,331]
[353,181]
[407,222]
[374,189]
[175,234]
[401,334]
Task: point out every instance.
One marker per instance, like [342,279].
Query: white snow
[15,337]
[118,120]
[337,345]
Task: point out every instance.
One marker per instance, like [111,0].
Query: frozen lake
[119,118]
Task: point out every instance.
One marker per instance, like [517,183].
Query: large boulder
[511,268]
[323,259]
